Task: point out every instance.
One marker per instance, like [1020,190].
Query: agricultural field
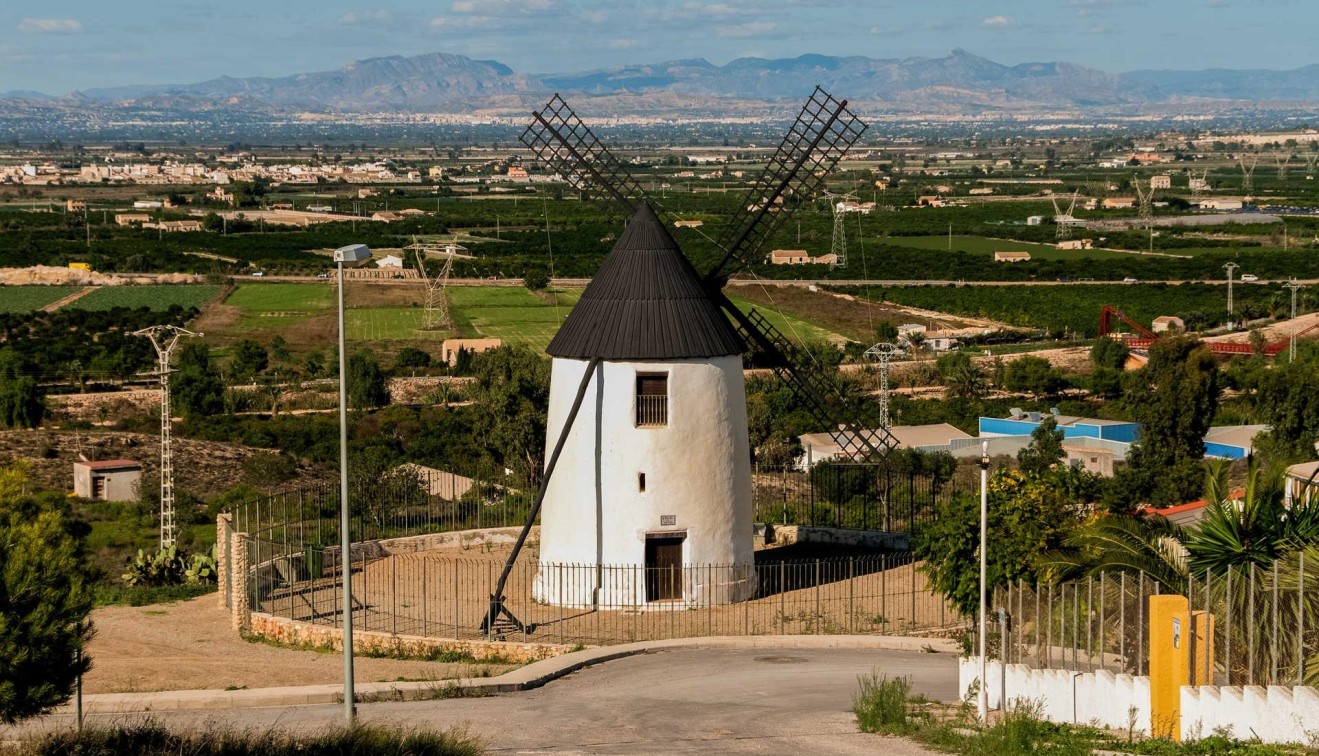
[514,314]
[155,297]
[1075,308]
[22,299]
[988,246]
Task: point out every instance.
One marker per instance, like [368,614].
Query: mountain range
[957,82]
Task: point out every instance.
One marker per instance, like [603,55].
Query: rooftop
[111,464]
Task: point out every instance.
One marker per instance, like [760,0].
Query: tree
[537,279]
[1174,398]
[886,330]
[195,389]
[22,401]
[1045,449]
[45,600]
[412,357]
[1028,515]
[1288,400]
[368,386]
[1033,375]
[967,381]
[250,359]
[279,349]
[1109,353]
[512,392]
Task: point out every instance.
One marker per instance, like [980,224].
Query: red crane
[1148,337]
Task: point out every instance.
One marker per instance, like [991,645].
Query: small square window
[652,400]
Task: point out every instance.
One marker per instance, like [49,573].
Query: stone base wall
[872,539]
[303,635]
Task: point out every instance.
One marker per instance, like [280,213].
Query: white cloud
[464,6]
[997,22]
[50,26]
[366,17]
[749,29]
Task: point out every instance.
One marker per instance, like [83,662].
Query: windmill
[657,344]
[839,246]
[436,315]
[1248,173]
[1064,221]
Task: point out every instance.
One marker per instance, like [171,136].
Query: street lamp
[984,520]
[353,254]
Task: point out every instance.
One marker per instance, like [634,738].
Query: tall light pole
[1295,287]
[984,523]
[1230,267]
[353,254]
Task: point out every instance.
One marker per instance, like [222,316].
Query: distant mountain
[422,82]
[957,82]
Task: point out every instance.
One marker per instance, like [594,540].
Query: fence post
[457,566]
[1089,622]
[1227,636]
[1273,645]
[1250,628]
[1300,620]
[851,592]
[1122,619]
[425,616]
[783,589]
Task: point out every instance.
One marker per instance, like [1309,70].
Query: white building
[107,480]
[390,261]
[654,479]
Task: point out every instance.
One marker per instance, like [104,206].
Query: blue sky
[60,45]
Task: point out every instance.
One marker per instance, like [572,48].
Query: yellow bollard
[1170,663]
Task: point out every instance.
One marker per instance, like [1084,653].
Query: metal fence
[1264,628]
[436,596]
[417,501]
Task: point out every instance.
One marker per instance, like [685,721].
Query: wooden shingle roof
[645,303]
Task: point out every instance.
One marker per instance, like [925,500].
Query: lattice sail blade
[811,387]
[567,146]
[823,132]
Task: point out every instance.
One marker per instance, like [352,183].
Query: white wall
[697,469]
[1069,697]
[1275,714]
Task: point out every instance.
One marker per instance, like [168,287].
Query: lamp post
[983,701]
[353,254]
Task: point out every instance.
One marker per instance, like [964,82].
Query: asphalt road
[718,701]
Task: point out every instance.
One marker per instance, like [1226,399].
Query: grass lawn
[514,314]
[986,246]
[389,324]
[156,297]
[21,299]
[276,297]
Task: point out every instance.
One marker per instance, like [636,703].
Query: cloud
[747,30]
[997,22]
[50,26]
[366,17]
[621,44]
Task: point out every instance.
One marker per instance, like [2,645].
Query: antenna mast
[164,338]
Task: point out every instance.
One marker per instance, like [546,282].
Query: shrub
[881,704]
[170,566]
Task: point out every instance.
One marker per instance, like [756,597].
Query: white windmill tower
[655,472]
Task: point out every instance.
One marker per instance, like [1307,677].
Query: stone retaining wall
[303,635]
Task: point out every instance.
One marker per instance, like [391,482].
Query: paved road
[718,701]
[884,283]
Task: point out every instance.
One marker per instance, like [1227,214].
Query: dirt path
[53,306]
[191,645]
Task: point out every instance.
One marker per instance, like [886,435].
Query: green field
[20,299]
[797,329]
[156,297]
[511,313]
[987,247]
[272,306]
[388,324]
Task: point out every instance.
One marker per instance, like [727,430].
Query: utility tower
[1310,160]
[1230,268]
[1248,173]
[839,246]
[164,338]
[1199,184]
[1064,222]
[1282,161]
[1146,197]
[883,353]
[1295,287]
[436,315]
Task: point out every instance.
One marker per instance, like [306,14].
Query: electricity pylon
[883,353]
[436,314]
[164,338]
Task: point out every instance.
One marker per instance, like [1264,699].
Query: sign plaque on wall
[668,520]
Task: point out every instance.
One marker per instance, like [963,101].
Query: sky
[57,46]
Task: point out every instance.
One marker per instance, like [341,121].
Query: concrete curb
[529,677]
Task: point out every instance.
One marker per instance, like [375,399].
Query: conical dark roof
[645,303]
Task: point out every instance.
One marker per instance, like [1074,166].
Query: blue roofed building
[1022,423]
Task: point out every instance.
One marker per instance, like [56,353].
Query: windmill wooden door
[664,568]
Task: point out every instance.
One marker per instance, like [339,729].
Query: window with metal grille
[652,400]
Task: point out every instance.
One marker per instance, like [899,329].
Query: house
[849,206]
[1118,203]
[411,212]
[186,226]
[1161,181]
[131,219]
[148,205]
[435,172]
[1220,204]
[1035,220]
[390,261]
[820,447]
[1169,324]
[75,206]
[790,257]
[366,193]
[1232,441]
[1093,459]
[107,480]
[1011,257]
[929,200]
[1022,423]
[1301,481]
[940,343]
[981,190]
[518,173]
[688,224]
[386,217]
[908,330]
[1075,244]
[450,347]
